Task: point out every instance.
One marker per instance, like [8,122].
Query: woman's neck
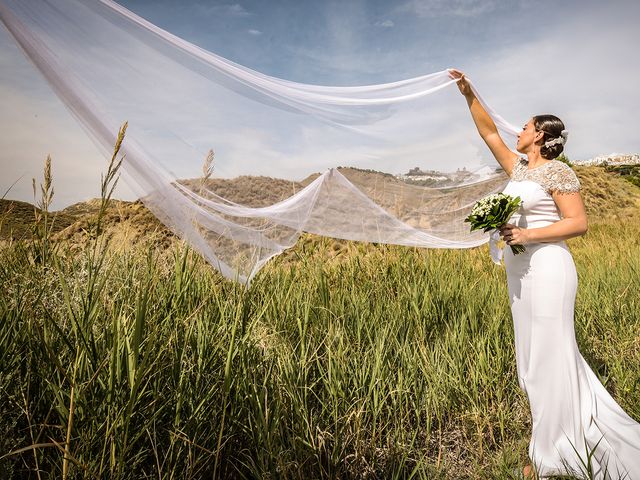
[534,159]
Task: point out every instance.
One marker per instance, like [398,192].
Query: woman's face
[527,136]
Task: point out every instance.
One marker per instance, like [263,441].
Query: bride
[572,414]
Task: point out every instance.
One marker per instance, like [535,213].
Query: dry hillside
[606,195]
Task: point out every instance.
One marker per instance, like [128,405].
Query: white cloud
[253,31]
[384,23]
[233,10]
[441,8]
[237,9]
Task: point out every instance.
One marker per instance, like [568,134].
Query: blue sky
[577,59]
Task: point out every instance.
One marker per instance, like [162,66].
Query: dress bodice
[535,187]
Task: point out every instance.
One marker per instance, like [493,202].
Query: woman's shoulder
[553,176]
[561,178]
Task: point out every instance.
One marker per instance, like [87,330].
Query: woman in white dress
[572,413]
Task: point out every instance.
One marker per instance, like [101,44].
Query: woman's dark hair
[551,126]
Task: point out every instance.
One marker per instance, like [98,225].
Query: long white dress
[570,408]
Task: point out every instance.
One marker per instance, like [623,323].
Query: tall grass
[381,362]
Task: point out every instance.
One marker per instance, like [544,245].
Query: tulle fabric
[109,65]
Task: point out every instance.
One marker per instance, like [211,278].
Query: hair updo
[551,126]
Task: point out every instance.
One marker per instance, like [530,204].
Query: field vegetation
[125,355]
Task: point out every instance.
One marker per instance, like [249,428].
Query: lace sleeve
[517,169]
[562,179]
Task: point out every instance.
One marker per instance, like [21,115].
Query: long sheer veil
[411,165]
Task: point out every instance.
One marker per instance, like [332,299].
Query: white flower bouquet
[492,212]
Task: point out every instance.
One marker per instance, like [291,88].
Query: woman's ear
[539,135]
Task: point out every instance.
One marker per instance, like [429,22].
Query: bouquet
[493,211]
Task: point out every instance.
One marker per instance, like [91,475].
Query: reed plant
[380,362]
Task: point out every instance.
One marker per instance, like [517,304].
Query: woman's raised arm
[485,124]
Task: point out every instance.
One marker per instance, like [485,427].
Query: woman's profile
[572,414]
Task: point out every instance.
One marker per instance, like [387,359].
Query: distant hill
[16,219]
[357,174]
[129,222]
[251,191]
[605,193]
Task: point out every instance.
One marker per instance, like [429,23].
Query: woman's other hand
[463,85]
[514,235]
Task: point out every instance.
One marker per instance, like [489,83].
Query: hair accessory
[562,139]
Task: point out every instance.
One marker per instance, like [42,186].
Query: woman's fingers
[507,230]
[455,73]
[461,79]
[511,233]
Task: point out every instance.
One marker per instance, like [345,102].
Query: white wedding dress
[570,408]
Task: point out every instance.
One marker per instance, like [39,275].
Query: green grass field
[355,361]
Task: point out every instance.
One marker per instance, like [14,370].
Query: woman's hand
[514,235]
[463,85]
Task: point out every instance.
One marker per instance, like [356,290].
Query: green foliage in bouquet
[494,211]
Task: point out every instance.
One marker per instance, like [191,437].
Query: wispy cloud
[232,9]
[384,23]
[253,31]
[442,8]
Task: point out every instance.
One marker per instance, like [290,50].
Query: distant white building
[611,159]
[422,177]
[461,175]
